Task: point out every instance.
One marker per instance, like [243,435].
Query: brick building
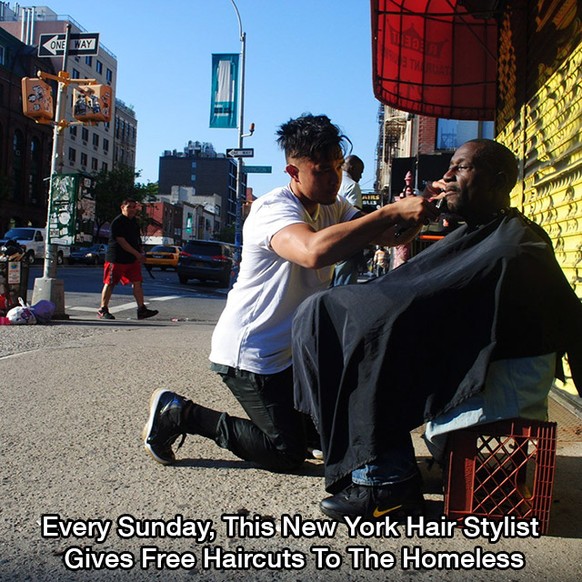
[25,146]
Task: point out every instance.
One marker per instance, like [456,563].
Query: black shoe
[103,313]
[395,501]
[143,312]
[163,425]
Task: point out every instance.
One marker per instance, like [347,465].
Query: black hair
[497,157]
[312,136]
[127,201]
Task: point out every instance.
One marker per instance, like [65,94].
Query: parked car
[206,260]
[94,255]
[32,240]
[162,256]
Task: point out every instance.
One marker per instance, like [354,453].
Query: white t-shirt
[350,190]
[254,330]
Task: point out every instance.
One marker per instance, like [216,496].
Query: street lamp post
[240,194]
[239,161]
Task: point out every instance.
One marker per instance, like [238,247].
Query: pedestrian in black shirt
[124,260]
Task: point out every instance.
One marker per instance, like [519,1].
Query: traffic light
[37,99]
[92,103]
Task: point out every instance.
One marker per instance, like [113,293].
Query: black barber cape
[376,359]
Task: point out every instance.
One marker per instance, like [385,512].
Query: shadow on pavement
[308,469]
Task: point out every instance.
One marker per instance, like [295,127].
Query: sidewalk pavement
[74,400]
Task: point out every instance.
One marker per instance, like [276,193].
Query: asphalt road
[195,301]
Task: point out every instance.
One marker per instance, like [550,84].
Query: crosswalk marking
[123,306]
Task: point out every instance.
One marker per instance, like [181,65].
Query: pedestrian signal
[37,99]
[92,103]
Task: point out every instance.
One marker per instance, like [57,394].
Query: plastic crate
[504,468]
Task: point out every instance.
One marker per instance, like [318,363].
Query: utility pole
[93,104]
[48,286]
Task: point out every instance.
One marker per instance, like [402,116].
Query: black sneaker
[103,313]
[395,501]
[163,425]
[143,312]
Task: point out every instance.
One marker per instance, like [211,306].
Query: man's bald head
[354,167]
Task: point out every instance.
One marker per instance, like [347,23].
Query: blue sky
[301,56]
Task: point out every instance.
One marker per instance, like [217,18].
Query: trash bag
[43,311]
[21,314]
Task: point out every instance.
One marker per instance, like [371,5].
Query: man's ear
[501,182]
[293,171]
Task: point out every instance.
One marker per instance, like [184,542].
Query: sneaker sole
[399,514]
[147,316]
[102,316]
[154,400]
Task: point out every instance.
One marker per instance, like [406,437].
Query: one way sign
[52,45]
[240,153]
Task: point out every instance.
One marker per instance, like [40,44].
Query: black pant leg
[274,436]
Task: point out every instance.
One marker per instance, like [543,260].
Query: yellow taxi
[162,256]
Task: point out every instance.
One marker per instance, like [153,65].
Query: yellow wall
[540,119]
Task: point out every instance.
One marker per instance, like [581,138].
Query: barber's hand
[435,190]
[413,211]
[140,258]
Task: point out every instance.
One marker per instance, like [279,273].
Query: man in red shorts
[124,260]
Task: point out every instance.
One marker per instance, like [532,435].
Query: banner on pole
[224,99]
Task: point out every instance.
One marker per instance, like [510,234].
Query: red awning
[435,58]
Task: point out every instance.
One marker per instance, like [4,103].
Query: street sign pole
[239,161]
[49,287]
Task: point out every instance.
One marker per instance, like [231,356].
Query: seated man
[486,300]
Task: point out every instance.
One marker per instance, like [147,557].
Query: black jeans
[275,435]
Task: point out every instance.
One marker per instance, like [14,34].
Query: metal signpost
[48,286]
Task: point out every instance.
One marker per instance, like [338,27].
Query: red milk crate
[501,469]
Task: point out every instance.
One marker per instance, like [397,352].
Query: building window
[72,155]
[89,61]
[109,76]
[452,133]
[104,167]
[94,164]
[83,159]
[85,134]
[99,66]
[73,131]
[75,74]
[2,55]
[105,145]
[96,140]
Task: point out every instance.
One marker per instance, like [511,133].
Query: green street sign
[257,169]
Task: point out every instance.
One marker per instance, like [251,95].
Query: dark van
[206,260]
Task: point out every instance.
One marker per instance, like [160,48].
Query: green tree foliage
[112,187]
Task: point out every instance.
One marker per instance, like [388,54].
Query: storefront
[515,62]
